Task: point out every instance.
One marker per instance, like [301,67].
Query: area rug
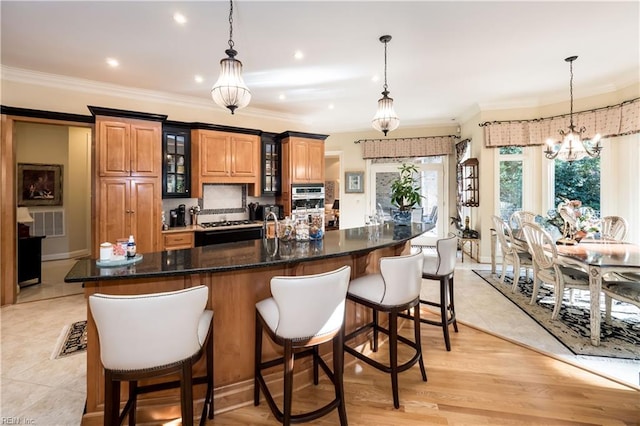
[620,339]
[72,340]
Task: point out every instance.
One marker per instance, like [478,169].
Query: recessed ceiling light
[331,106]
[298,54]
[179,18]
[113,62]
[282,97]
[198,79]
[375,78]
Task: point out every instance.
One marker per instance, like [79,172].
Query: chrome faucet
[275,223]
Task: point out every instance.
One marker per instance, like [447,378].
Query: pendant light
[385,119]
[572,147]
[230,91]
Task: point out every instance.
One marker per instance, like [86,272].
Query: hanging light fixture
[230,90]
[572,147]
[385,119]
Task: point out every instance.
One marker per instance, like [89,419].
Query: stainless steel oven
[307,196]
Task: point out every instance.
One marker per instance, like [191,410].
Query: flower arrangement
[574,220]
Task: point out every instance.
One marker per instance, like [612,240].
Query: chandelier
[385,119]
[230,91]
[572,147]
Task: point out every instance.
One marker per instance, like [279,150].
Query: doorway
[66,227]
[432,185]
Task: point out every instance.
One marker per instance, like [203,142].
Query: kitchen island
[238,276]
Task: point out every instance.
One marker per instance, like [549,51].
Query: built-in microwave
[307,196]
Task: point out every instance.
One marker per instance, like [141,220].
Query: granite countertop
[248,254]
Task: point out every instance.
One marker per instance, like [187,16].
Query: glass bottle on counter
[302,226]
[286,229]
[316,224]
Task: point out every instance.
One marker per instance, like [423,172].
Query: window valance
[615,120]
[408,147]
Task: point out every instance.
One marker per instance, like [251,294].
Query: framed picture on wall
[354,182]
[39,184]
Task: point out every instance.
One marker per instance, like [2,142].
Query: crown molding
[20,75]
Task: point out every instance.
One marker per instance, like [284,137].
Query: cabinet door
[215,155]
[316,162]
[145,206]
[176,166]
[145,149]
[113,216]
[245,155]
[299,161]
[113,148]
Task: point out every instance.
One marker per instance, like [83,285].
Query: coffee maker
[177,216]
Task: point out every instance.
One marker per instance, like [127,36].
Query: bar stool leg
[186,394]
[393,356]
[416,332]
[338,374]
[111,399]
[257,360]
[288,381]
[374,347]
[444,302]
[452,305]
[133,390]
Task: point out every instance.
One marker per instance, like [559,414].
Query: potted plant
[405,194]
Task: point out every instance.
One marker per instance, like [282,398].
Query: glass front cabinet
[176,164]
[270,164]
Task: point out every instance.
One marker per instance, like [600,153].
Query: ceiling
[446,60]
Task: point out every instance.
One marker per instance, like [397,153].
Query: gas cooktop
[228,223]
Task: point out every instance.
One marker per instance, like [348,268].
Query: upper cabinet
[128,147]
[225,157]
[302,158]
[176,161]
[270,164]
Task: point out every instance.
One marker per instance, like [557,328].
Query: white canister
[106,251]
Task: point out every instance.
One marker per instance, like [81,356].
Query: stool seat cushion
[369,287]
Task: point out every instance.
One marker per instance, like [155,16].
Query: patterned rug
[73,340]
[620,339]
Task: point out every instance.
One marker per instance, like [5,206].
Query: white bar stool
[304,312]
[154,335]
[394,290]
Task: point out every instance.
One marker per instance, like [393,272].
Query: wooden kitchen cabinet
[270,164]
[224,157]
[128,147]
[303,159]
[178,240]
[130,206]
[176,162]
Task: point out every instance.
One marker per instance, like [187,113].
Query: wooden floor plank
[484,380]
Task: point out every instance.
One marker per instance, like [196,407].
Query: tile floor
[38,390]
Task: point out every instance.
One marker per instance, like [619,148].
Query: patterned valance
[408,147]
[611,121]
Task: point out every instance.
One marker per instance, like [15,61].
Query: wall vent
[48,222]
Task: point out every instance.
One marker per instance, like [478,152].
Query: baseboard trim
[68,255]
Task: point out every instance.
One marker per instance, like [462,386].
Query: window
[510,183]
[579,180]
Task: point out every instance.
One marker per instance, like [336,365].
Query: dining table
[599,257]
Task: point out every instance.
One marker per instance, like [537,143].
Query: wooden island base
[232,296]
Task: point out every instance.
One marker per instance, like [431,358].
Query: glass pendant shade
[230,91]
[385,119]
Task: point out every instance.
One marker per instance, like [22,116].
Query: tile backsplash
[219,202]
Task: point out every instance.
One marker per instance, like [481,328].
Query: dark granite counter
[248,254]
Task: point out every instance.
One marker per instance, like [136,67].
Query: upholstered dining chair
[512,254]
[614,227]
[394,289]
[547,269]
[154,335]
[441,268]
[303,312]
[519,217]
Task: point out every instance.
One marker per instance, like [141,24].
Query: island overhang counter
[238,275]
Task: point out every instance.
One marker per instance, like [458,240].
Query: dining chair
[512,254]
[519,217]
[614,227]
[304,312]
[153,335]
[548,269]
[396,288]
